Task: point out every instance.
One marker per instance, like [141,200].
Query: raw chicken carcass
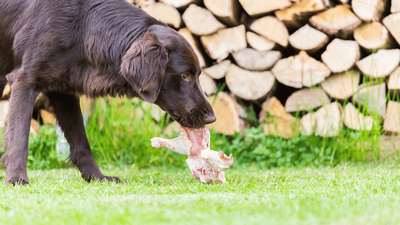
[206,165]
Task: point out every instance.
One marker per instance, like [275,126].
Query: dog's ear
[144,66]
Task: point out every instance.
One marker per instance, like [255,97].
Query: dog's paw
[113,179]
[102,178]
[17,181]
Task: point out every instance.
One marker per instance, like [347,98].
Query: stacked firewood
[300,66]
[303,66]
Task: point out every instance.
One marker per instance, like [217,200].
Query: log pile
[301,66]
[304,66]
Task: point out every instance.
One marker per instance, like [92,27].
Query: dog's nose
[209,118]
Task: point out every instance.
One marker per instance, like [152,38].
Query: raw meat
[206,165]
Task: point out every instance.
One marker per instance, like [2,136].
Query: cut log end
[260,8]
[373,97]
[227,112]
[341,55]
[165,13]
[258,42]
[249,85]
[219,70]
[371,10]
[372,36]
[306,99]
[200,21]
[339,21]
[354,120]
[207,84]
[219,45]
[308,39]
[342,85]
[300,70]
[275,121]
[325,122]
[380,64]
[272,29]
[251,59]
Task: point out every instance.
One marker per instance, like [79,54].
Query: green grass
[342,195]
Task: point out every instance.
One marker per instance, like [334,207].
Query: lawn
[339,195]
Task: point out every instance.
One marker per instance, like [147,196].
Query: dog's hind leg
[69,117]
[17,130]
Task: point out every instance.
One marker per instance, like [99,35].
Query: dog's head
[163,69]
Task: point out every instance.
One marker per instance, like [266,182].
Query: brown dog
[94,47]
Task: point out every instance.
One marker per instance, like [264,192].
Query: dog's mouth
[193,120]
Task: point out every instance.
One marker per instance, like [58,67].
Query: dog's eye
[185,75]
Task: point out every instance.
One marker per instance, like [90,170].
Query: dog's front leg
[17,130]
[69,117]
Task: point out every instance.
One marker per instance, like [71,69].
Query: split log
[259,8]
[373,36]
[341,55]
[259,42]
[142,3]
[391,124]
[228,11]
[394,81]
[156,112]
[339,21]
[275,121]
[194,43]
[289,72]
[219,45]
[372,97]
[344,1]
[165,13]
[298,14]
[395,7]
[180,4]
[342,85]
[218,71]
[4,108]
[6,92]
[200,21]
[380,64]
[272,29]
[355,120]
[300,70]
[392,22]
[251,59]
[370,10]
[308,39]
[314,72]
[306,99]
[47,117]
[249,85]
[227,112]
[207,84]
[325,122]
